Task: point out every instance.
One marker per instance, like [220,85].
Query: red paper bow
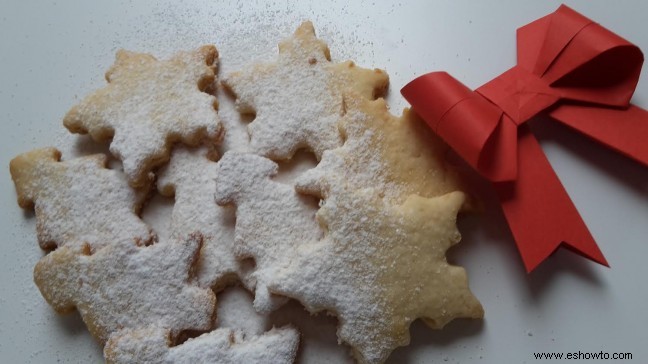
[574,70]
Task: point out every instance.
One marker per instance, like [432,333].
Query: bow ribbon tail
[623,130]
[539,212]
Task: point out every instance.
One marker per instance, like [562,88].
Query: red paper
[569,68]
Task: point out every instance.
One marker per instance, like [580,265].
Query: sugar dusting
[291,98]
[397,156]
[190,176]
[271,218]
[379,268]
[126,286]
[235,139]
[149,104]
[244,32]
[240,38]
[298,98]
[224,346]
[79,200]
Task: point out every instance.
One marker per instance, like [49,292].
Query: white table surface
[54,52]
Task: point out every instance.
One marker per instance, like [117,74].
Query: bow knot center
[519,93]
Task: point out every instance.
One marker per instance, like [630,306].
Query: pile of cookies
[373,255]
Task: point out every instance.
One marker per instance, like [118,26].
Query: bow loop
[580,59]
[467,122]
[541,42]
[608,78]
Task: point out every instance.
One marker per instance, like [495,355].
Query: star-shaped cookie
[298,99]
[148,105]
[381,267]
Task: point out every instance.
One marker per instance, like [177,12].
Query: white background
[54,52]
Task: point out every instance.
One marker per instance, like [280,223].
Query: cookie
[190,176]
[78,200]
[126,286]
[222,346]
[148,105]
[379,268]
[298,99]
[271,218]
[396,156]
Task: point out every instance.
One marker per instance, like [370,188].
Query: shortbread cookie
[396,156]
[190,176]
[380,268]
[148,105]
[298,99]
[125,286]
[78,200]
[271,218]
[221,346]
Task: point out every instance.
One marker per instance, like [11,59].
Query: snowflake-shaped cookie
[78,200]
[298,99]
[148,105]
[221,346]
[396,156]
[380,268]
[126,286]
[271,218]
[190,176]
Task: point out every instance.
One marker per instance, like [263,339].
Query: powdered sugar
[190,177]
[148,105]
[379,268]
[271,219]
[78,200]
[235,311]
[198,177]
[222,346]
[396,156]
[298,100]
[125,286]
